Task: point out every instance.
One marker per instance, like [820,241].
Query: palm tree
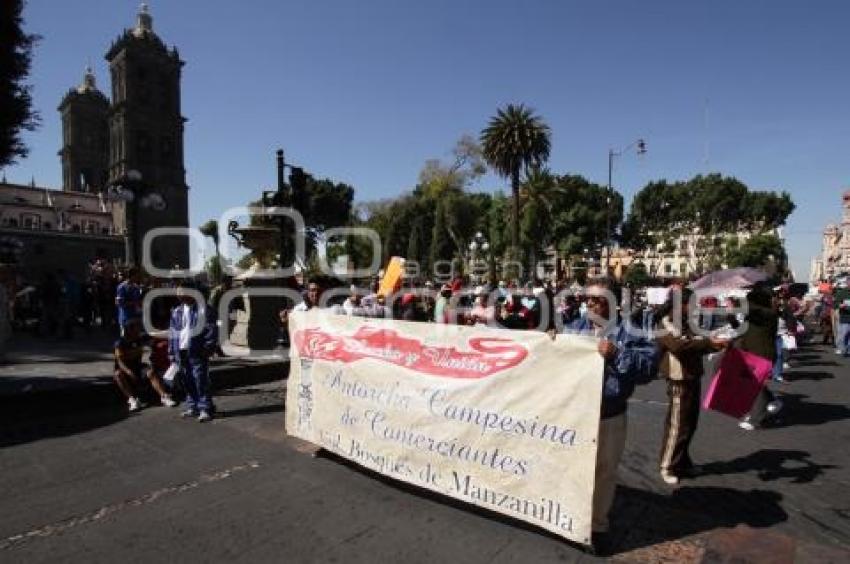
[515,140]
[540,198]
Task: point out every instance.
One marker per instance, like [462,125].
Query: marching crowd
[639,341]
[665,332]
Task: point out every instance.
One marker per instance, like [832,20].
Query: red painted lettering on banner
[487,356]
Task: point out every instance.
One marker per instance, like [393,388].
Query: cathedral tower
[85,141]
[146,134]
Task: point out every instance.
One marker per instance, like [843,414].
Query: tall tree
[515,140]
[17,114]
[759,251]
[210,229]
[706,213]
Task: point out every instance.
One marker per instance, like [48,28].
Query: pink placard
[737,382]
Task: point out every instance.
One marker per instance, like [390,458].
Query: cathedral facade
[122,152]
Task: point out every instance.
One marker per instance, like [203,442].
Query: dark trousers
[759,410]
[680,424]
[196,380]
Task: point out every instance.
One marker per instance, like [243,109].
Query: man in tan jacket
[681,364]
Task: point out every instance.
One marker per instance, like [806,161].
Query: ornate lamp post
[479,242]
[132,190]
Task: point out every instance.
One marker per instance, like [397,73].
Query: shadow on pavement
[805,375]
[20,430]
[255,410]
[640,518]
[770,465]
[799,412]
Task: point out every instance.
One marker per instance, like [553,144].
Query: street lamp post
[293,196]
[478,242]
[641,149]
[131,190]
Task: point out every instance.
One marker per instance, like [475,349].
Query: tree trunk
[515,230]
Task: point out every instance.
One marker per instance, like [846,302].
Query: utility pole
[279,200]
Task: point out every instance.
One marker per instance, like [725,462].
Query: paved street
[106,486]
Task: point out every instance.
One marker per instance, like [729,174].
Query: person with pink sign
[760,339]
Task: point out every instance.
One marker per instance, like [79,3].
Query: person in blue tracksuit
[631,358]
[192,338]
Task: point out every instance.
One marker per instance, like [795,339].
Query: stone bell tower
[85,140]
[146,135]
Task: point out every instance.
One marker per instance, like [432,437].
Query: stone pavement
[780,492]
[107,485]
[76,374]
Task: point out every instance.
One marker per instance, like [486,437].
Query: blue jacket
[200,344]
[636,362]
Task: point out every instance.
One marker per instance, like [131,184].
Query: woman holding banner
[629,359]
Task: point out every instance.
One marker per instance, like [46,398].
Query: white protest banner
[506,420]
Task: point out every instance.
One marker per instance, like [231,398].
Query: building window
[75,228]
[47,225]
[30,221]
[104,231]
[668,268]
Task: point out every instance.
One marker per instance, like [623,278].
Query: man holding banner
[629,359]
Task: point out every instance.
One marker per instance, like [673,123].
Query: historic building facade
[122,162]
[834,259]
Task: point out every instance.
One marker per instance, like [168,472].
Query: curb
[102,392]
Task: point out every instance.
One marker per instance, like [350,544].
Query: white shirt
[186,330]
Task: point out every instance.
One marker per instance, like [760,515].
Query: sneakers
[167,401]
[189,413]
[774,406]
[746,424]
[135,404]
[670,479]
[204,417]
[786,366]
[779,379]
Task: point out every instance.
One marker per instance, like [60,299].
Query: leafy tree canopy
[17,114]
[713,204]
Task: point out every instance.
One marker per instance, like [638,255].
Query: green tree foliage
[637,276]
[580,212]
[758,251]
[438,218]
[16,113]
[712,205]
[515,140]
[326,204]
[210,229]
[498,215]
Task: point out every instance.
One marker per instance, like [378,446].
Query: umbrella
[729,279]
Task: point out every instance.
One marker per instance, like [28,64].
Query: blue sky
[365,91]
